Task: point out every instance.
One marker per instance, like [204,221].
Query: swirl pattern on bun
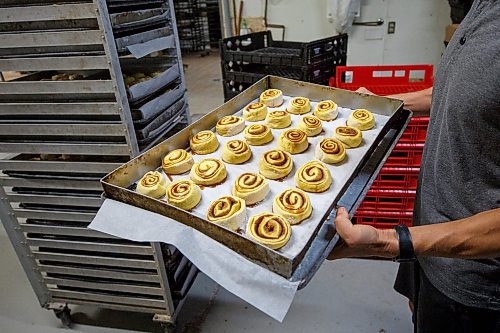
[183,193]
[293,204]
[204,142]
[299,105]
[236,152]
[326,110]
[275,164]
[177,161]
[251,187]
[311,125]
[230,125]
[258,134]
[152,184]
[255,111]
[293,141]
[313,177]
[351,137]
[227,211]
[278,119]
[330,150]
[362,119]
[272,98]
[268,229]
[209,171]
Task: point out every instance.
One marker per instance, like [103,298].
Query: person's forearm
[418,101]
[477,236]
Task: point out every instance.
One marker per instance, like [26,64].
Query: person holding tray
[453,278]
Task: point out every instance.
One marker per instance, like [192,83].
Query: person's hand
[363,90]
[362,240]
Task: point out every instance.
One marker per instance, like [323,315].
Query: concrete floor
[344,296]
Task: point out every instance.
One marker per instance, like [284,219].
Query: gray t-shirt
[460,173]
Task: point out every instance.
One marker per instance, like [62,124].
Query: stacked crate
[192,24]
[391,198]
[99,82]
[248,58]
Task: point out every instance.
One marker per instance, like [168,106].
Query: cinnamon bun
[311,125]
[255,111]
[351,137]
[204,142]
[361,119]
[227,211]
[278,119]
[251,187]
[313,177]
[152,184]
[272,98]
[293,141]
[293,204]
[230,125]
[183,193]
[326,110]
[177,161]
[236,152]
[275,164]
[258,134]
[268,229]
[299,105]
[209,171]
[330,150]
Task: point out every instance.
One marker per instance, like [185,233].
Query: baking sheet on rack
[303,232]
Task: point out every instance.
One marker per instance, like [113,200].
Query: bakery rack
[70,118]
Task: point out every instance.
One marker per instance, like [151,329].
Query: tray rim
[270,259]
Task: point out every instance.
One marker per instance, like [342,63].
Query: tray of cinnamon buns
[263,173]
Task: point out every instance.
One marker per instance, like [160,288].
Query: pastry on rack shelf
[275,164]
[208,171]
[152,184]
[230,125]
[326,110]
[278,119]
[293,204]
[330,150]
[351,137]
[362,119]
[272,98]
[183,193]
[177,161]
[251,187]
[204,142]
[269,229]
[299,105]
[313,177]
[311,125]
[236,152]
[293,141]
[228,211]
[258,134]
[255,111]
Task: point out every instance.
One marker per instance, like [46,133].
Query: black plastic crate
[260,48]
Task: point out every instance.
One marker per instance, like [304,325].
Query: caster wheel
[65,316]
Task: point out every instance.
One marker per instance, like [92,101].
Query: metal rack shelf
[68,120]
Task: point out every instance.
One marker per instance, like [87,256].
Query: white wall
[418,39]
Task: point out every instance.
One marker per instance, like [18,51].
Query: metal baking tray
[117,182]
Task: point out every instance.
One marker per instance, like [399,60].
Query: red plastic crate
[406,155]
[389,200]
[416,130]
[382,219]
[384,80]
[395,178]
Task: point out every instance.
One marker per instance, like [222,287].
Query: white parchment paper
[267,291]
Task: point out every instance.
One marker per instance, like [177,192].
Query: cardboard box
[449,31]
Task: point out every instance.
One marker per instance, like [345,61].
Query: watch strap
[406,251]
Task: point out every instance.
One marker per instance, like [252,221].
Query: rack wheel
[64,315]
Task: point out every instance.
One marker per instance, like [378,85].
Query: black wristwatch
[406,252]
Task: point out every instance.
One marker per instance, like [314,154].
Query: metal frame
[46,203]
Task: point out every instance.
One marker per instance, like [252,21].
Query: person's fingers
[342,223]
